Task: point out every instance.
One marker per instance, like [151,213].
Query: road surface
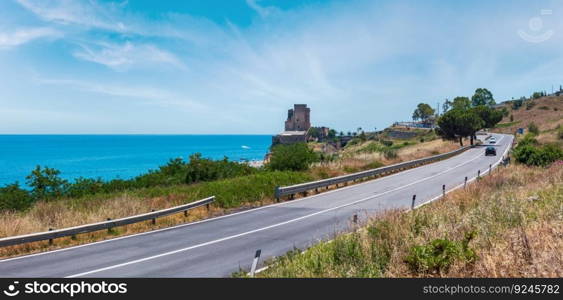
[220,246]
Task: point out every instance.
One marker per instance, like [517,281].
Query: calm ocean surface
[116,156]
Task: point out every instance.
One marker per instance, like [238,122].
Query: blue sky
[236,66]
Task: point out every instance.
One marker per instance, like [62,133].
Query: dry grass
[353,160]
[516,213]
[58,215]
[546,119]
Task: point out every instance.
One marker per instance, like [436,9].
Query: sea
[117,156]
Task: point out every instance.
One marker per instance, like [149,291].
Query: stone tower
[298,118]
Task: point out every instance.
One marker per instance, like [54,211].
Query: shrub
[529,154]
[85,186]
[387,143]
[390,153]
[511,118]
[200,169]
[560,133]
[533,128]
[46,183]
[530,104]
[12,197]
[516,104]
[440,254]
[294,157]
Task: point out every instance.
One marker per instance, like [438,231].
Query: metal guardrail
[109,224]
[315,185]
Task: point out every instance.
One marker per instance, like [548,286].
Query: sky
[237,66]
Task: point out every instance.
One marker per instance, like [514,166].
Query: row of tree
[463,117]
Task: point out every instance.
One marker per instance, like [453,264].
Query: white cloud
[263,11]
[84,13]
[122,57]
[21,36]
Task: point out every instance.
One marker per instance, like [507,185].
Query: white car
[492,140]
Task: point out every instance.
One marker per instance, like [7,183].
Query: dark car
[490,151]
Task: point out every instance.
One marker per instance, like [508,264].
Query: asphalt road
[220,246]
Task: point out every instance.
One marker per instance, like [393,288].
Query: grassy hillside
[507,225]
[545,112]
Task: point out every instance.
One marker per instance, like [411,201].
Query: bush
[560,133]
[12,197]
[46,183]
[530,104]
[85,186]
[440,254]
[294,157]
[532,155]
[533,128]
[387,143]
[199,169]
[390,153]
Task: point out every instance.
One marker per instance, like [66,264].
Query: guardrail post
[443,190]
[355,219]
[277,194]
[208,206]
[154,219]
[255,262]
[490,169]
[185,213]
[413,200]
[50,240]
[478,174]
[465,183]
[109,228]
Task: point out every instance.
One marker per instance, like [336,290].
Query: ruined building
[296,126]
[298,118]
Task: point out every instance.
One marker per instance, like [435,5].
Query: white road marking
[267,227]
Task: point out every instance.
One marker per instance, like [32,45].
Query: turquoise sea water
[116,156]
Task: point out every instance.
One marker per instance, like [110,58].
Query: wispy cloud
[83,13]
[263,11]
[354,62]
[122,57]
[21,36]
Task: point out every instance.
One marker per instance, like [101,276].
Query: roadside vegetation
[506,225]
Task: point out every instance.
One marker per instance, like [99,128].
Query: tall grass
[239,192]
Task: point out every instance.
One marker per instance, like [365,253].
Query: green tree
[314,132]
[446,106]
[422,112]
[293,157]
[489,115]
[12,197]
[461,103]
[457,124]
[482,97]
[331,134]
[46,183]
